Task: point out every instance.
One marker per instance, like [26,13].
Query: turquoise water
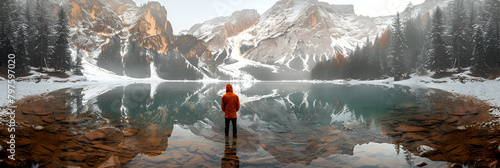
[280,124]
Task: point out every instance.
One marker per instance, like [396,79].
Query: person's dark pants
[227,126]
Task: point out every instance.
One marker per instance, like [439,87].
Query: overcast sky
[185,13]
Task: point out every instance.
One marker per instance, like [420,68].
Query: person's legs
[226,130]
[234,126]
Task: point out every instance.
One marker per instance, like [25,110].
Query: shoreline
[483,90]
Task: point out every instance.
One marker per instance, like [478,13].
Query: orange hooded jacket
[230,103]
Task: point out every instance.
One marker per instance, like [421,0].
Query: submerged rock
[422,164]
[95,135]
[425,150]
[407,128]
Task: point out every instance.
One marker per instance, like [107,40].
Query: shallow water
[178,124]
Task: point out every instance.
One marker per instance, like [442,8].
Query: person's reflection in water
[230,159]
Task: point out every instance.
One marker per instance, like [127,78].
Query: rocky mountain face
[289,38]
[138,42]
[285,42]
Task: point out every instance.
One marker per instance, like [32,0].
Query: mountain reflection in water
[279,124]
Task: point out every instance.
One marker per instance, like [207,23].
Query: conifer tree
[61,58]
[478,54]
[399,48]
[78,65]
[40,43]
[376,58]
[457,33]
[439,59]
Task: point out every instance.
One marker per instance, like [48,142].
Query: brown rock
[48,119]
[95,135]
[72,121]
[422,164]
[413,137]
[393,133]
[406,128]
[129,132]
[73,156]
[112,162]
[53,128]
[105,147]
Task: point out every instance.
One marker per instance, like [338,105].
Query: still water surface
[280,124]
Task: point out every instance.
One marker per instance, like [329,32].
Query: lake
[280,124]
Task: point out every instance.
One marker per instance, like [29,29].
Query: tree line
[464,34]
[39,38]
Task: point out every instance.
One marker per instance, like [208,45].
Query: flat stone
[112,162]
[393,133]
[414,137]
[37,112]
[73,156]
[48,119]
[53,128]
[129,132]
[95,135]
[406,128]
[105,147]
[422,164]
[72,121]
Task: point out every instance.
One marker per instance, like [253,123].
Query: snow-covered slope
[292,36]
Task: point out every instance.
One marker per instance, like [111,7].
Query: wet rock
[95,135]
[37,112]
[422,164]
[82,139]
[73,156]
[456,149]
[406,128]
[425,150]
[112,162]
[105,147]
[393,133]
[72,121]
[452,119]
[413,137]
[48,119]
[53,128]
[129,132]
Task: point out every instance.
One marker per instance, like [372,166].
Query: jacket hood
[229,88]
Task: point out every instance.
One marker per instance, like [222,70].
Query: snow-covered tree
[457,33]
[439,59]
[478,54]
[61,58]
[492,33]
[22,60]
[77,69]
[40,42]
[376,58]
[399,48]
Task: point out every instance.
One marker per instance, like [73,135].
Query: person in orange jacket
[230,104]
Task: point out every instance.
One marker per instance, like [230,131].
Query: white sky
[185,13]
